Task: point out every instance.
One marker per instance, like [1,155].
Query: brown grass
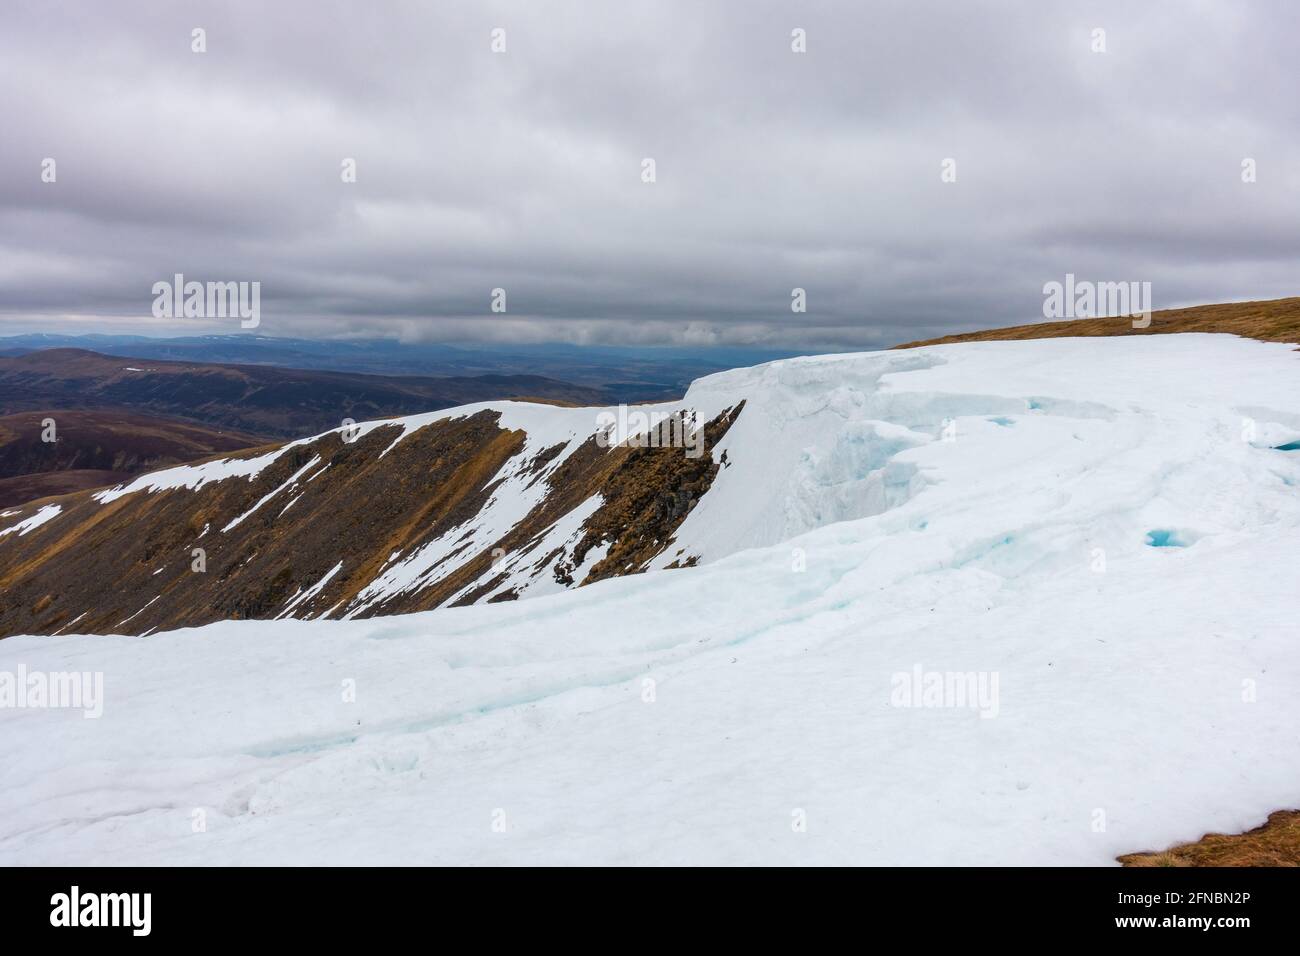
[1273,320]
[1276,843]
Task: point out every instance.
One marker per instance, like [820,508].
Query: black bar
[338,906]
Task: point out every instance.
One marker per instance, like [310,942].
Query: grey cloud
[522,170]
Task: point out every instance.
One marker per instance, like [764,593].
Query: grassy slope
[1273,320]
[98,447]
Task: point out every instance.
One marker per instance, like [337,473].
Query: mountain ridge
[276,541]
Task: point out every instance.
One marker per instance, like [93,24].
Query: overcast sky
[523,169]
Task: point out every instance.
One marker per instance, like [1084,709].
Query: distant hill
[629,373]
[258,399]
[97,448]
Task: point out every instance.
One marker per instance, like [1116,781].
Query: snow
[880,519]
[288,483]
[192,477]
[527,575]
[195,477]
[34,521]
[304,596]
[72,622]
[139,612]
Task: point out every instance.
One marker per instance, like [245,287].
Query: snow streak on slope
[1111,532]
[46,513]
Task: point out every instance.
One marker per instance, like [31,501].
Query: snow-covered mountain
[1000,602]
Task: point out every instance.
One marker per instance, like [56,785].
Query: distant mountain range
[114,417]
[259,399]
[627,374]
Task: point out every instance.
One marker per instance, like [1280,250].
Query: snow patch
[45,514]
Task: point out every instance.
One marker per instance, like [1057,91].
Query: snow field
[1146,694]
